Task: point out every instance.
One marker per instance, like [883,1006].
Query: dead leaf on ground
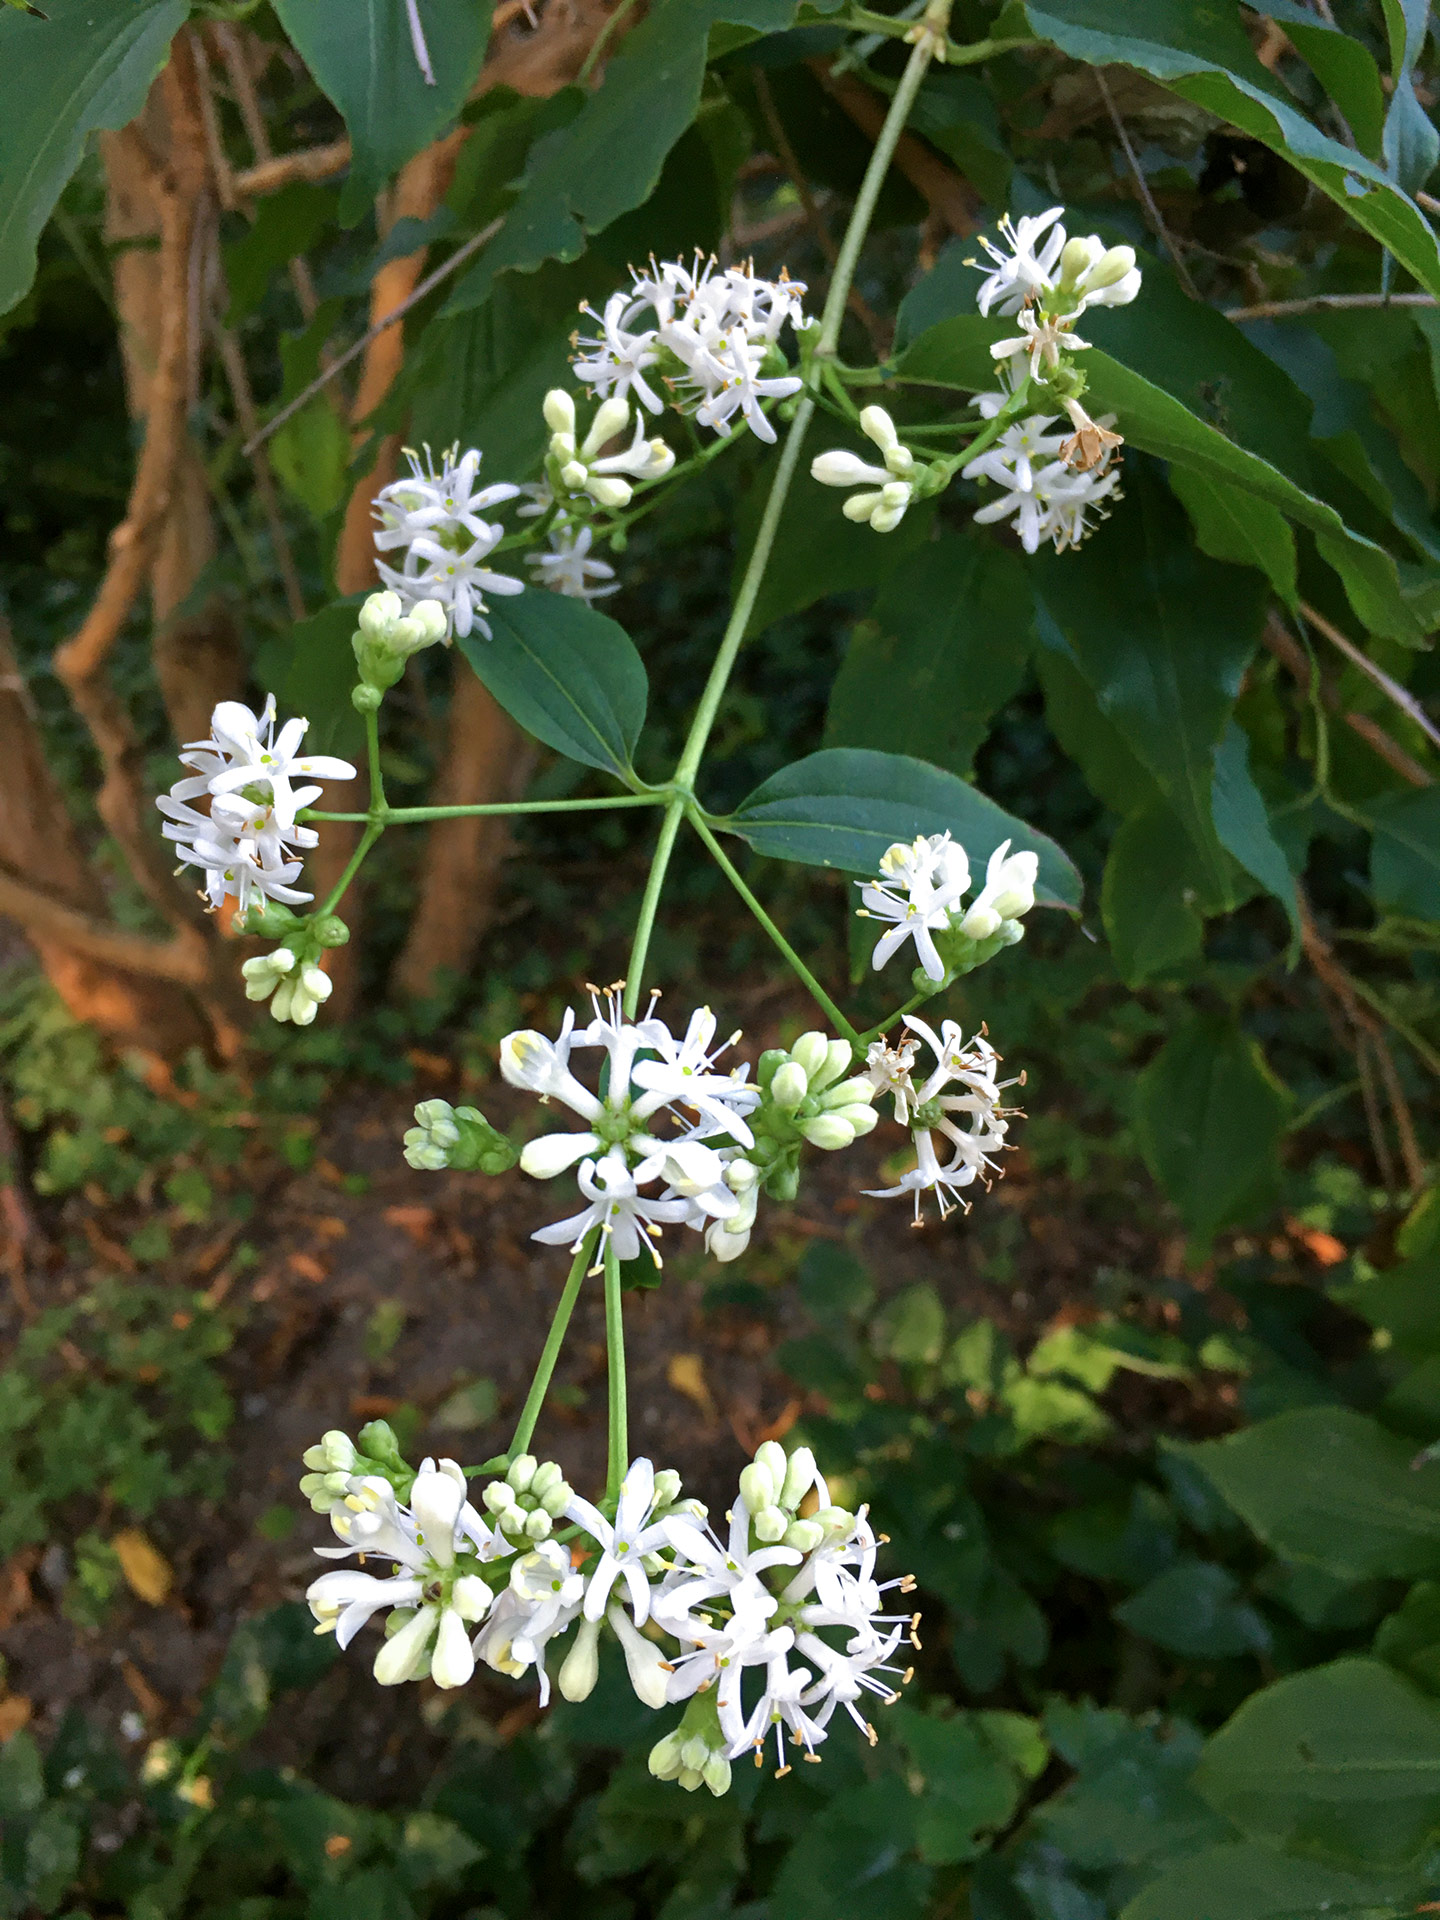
[686,1374]
[308,1267]
[148,1574]
[15,1594]
[416,1221]
[146,1698]
[15,1711]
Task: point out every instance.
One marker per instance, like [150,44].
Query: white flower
[440,504]
[1021,451]
[583,469]
[457,578]
[1008,892]
[890,1070]
[541,1600]
[616,1155]
[624,1544]
[933,873]
[1043,338]
[1094,275]
[437,1544]
[1036,470]
[247,843]
[1021,273]
[885,509]
[930,1110]
[716,329]
[569,567]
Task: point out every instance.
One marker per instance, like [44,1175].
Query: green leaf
[566,674]
[287,223]
[1185,351]
[311,672]
[1341,1762]
[1151,895]
[1195,1609]
[911,1327]
[22,1779]
[944,647]
[1203,54]
[1162,635]
[1343,66]
[88,65]
[1242,825]
[1328,1487]
[967,1788]
[360,53]
[1132,1800]
[311,455]
[1210,1118]
[1409,1639]
[1404,1301]
[1231,524]
[844,806]
[852,1861]
[1093,742]
[1247,1881]
[1405,854]
[610,157]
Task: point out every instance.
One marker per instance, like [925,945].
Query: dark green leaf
[1210,1118]
[1092,741]
[1343,65]
[1242,825]
[1341,1762]
[944,647]
[566,674]
[1329,1487]
[88,64]
[1132,1800]
[311,671]
[1195,1609]
[1247,1881]
[1404,1301]
[1151,897]
[1162,635]
[1405,854]
[844,806]
[1203,54]
[967,1788]
[1182,354]
[311,455]
[1409,1639]
[360,52]
[287,223]
[1233,525]
[609,159]
[853,1860]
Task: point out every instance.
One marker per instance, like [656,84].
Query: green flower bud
[770,1525]
[547,1475]
[799,1477]
[856,1092]
[664,1761]
[804,1535]
[757,1487]
[770,1062]
[790,1085]
[772,1456]
[538,1525]
[810,1051]
[716,1774]
[367,699]
[667,1487]
[330,930]
[556,1499]
[522,1472]
[840,1056]
[827,1131]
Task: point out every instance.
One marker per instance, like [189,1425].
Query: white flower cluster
[1049,281]
[887,490]
[437,518]
[650,1077]
[921,890]
[707,333]
[1040,485]
[249,843]
[775,1628]
[931,1109]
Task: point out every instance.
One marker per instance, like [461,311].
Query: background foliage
[1179,1545]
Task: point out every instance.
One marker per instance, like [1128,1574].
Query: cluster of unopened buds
[763,1630]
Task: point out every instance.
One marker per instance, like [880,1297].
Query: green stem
[874,1033]
[649,906]
[357,860]
[554,1340]
[378,808]
[409,816]
[734,634]
[813,986]
[598,46]
[619,1457]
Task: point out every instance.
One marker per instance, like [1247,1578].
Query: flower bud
[365,698]
[799,1477]
[980,922]
[860,506]
[790,1086]
[664,1761]
[667,1487]
[574,474]
[644,1662]
[379,614]
[772,1456]
[611,418]
[804,1534]
[828,1132]
[838,1058]
[555,1500]
[552,1153]
[770,1525]
[860,1120]
[608,492]
[716,1774]
[546,1476]
[877,425]
[538,1525]
[890,511]
[856,1092]
[498,1498]
[768,1065]
[811,1051]
[452,1662]
[559,411]
[521,1472]
[581,1666]
[471,1597]
[406,1654]
[1079,257]
[1111,268]
[757,1487]
[435,1501]
[840,469]
[837,1521]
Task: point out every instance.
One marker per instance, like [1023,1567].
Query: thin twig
[306,163]
[221,170]
[1142,187]
[236,372]
[874,326]
[232,51]
[1416,1172]
[1428,202]
[1392,689]
[427,286]
[1374,1119]
[1324,302]
[1291,655]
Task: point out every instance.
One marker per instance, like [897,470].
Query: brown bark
[196,653]
[103,974]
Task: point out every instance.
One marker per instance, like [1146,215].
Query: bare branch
[1288,651]
[308,163]
[1329,302]
[183,960]
[427,286]
[1142,187]
[1392,689]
